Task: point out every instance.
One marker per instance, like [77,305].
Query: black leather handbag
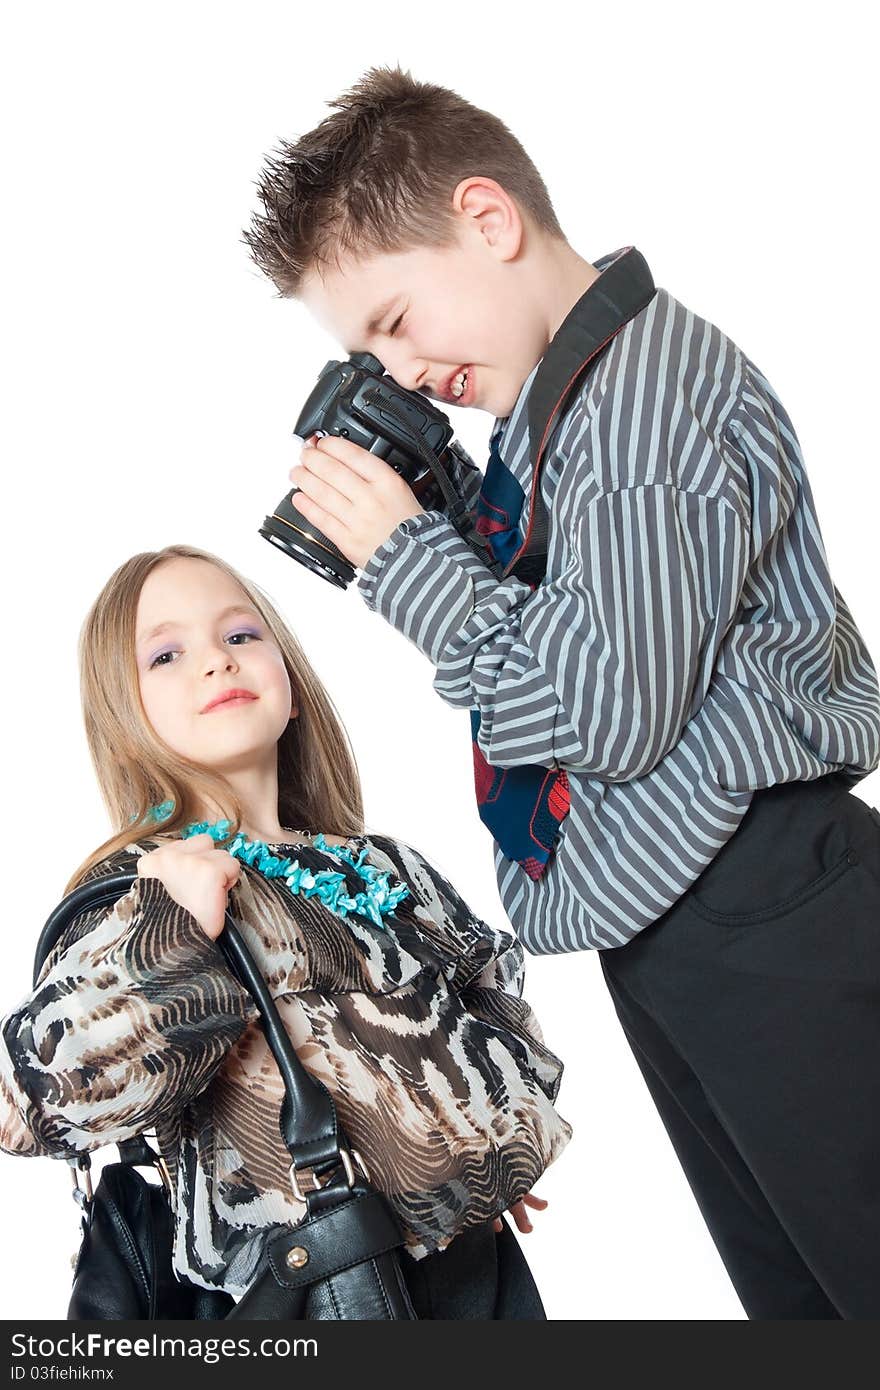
[340,1262]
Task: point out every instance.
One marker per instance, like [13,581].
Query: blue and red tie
[523,807]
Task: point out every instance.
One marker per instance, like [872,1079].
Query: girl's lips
[235,697]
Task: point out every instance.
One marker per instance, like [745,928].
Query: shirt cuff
[425,580]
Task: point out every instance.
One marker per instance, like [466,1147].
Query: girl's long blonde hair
[318,782]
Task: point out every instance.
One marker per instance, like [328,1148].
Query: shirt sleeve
[598,667]
[468,478]
[130,1019]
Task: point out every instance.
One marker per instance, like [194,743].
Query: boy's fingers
[538,1203]
[335,530]
[359,460]
[330,471]
[324,491]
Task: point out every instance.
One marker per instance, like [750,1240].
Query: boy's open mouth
[458,389]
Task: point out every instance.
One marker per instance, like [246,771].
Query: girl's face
[212,678]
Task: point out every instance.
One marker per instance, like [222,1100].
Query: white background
[152,378]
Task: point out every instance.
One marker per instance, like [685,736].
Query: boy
[669,700]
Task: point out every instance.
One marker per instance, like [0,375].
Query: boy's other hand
[520,1215]
[354,498]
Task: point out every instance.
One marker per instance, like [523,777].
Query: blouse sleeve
[134,1011]
[491,971]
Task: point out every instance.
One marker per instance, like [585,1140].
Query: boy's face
[430,313]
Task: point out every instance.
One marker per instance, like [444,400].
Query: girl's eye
[162,659]
[235,638]
[168,657]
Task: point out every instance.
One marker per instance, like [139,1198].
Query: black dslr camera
[356,400]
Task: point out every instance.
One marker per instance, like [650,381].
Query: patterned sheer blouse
[437,1065]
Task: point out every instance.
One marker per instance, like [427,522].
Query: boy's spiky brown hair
[379,174]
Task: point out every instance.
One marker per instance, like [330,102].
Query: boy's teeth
[458,383]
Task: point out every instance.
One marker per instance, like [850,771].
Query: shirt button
[852,857]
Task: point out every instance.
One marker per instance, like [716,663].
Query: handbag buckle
[165,1175]
[82,1195]
[348,1161]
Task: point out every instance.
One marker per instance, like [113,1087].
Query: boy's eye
[395,325]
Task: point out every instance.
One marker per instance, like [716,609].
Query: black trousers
[753,1011]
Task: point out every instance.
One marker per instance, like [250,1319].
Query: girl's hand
[197,874]
[520,1215]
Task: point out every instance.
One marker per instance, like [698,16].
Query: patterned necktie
[522,806]
[500,506]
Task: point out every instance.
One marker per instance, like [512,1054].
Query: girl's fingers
[233,872]
[520,1216]
[538,1203]
[519,1211]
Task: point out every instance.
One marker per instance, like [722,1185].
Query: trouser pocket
[793,843]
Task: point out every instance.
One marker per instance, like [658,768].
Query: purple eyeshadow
[161,652]
[236,632]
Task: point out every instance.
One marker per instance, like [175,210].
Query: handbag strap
[308,1121]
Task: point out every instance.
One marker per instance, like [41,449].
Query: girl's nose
[220,660]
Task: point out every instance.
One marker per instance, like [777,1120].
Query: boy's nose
[411,373]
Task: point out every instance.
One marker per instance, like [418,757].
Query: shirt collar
[504,425]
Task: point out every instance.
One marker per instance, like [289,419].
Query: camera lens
[289,530]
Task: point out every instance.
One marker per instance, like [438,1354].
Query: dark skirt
[480,1275]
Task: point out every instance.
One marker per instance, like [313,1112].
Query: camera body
[355,400]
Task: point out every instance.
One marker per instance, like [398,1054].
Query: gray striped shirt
[686,647]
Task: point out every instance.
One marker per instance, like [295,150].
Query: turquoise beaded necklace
[376,901]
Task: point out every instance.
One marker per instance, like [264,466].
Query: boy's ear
[490,209]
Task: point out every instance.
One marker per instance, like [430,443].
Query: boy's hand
[519,1213]
[356,499]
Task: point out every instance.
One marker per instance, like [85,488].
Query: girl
[214,745]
